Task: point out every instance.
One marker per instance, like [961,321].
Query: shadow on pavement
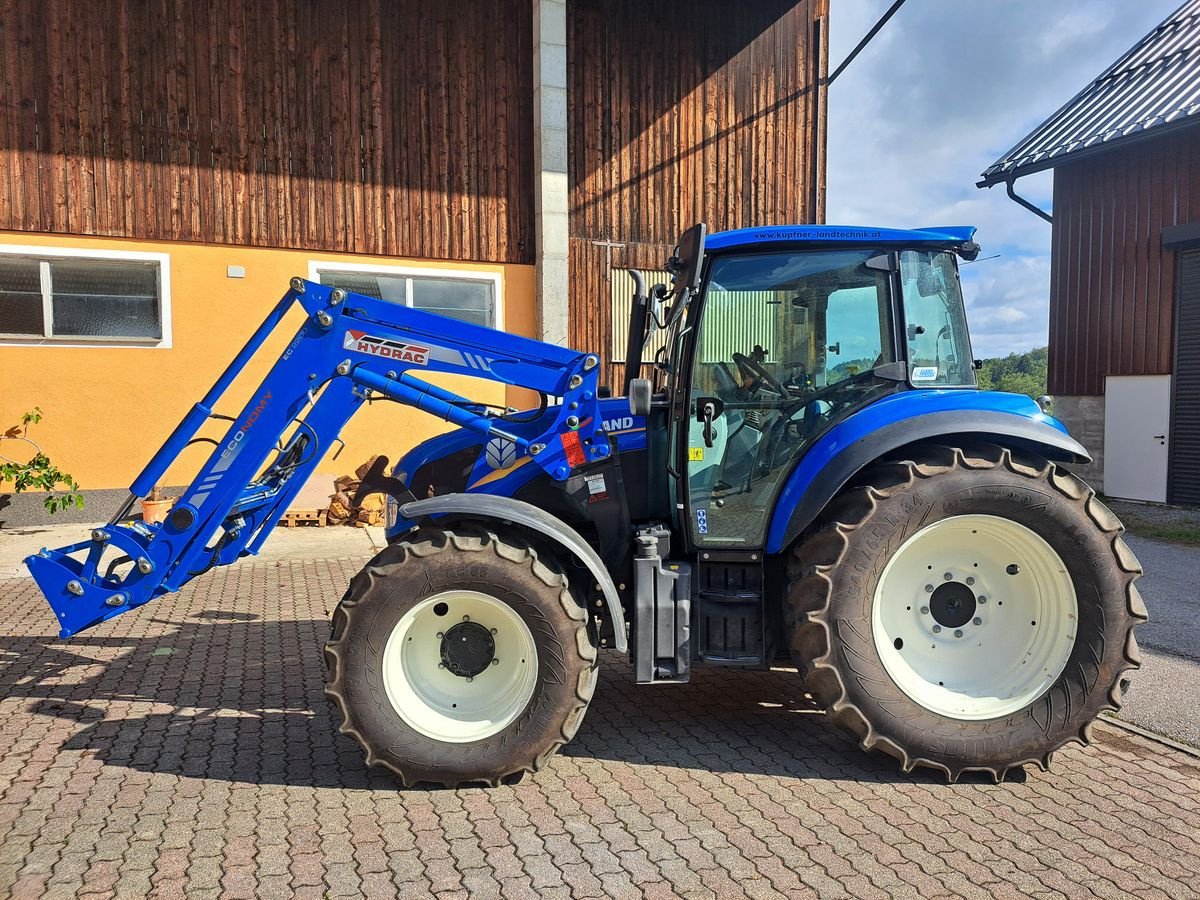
[228,696]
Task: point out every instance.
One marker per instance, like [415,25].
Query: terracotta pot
[154,511]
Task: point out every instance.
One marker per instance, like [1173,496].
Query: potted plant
[156,506]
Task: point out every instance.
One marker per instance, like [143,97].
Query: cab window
[939,348]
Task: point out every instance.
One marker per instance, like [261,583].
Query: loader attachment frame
[349,349]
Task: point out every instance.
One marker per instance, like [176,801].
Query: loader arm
[349,348]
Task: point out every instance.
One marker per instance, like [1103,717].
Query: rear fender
[506,509]
[846,449]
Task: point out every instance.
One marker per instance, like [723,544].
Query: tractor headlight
[1046,404]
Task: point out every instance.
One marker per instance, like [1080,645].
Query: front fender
[506,509]
[905,418]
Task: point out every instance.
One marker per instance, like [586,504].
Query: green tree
[38,473]
[1017,373]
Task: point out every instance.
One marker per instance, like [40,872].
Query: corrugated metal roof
[1153,86]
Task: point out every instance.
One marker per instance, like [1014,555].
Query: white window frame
[495,279]
[44,254]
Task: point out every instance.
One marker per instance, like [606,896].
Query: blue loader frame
[348,348]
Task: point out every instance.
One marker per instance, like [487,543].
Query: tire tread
[392,562]
[809,601]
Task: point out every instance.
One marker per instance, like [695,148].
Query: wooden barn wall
[289,123]
[680,114]
[1112,285]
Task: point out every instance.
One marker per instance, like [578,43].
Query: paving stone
[216,769]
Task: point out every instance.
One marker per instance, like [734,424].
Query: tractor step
[732,627]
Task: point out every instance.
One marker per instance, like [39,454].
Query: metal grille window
[470,297]
[622,303]
[61,297]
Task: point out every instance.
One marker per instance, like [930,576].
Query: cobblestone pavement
[187,750]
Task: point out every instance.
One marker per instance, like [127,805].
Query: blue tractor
[809,469]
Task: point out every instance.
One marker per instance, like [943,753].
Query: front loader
[806,468]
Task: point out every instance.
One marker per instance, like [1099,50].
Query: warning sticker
[597,488]
[695,454]
[573,449]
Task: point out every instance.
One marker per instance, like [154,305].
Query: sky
[942,92]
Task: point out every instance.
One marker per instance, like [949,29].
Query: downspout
[1013,195]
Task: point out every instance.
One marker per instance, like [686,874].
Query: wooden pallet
[295,518]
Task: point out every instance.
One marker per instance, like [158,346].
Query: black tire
[429,562]
[835,567]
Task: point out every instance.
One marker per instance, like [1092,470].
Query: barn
[166,166]
[1124,351]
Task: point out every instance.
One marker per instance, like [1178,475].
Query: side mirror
[640,391]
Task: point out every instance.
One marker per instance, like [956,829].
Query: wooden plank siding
[679,114]
[1112,284]
[398,127]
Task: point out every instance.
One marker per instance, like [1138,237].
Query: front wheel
[459,657]
[966,609]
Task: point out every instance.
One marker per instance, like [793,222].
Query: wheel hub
[963,629]
[467,649]
[952,604]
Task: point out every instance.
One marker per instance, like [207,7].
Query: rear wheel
[459,657]
[966,609]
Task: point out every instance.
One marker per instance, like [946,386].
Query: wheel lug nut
[493,631]
[924,610]
[439,635]
[470,678]
[978,621]
[948,576]
[981,598]
[958,632]
[929,588]
[466,618]
[441,665]
[937,629]
[495,662]
[970,580]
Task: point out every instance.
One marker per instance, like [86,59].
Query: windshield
[813,319]
[939,348]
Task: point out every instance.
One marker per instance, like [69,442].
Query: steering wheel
[753,369]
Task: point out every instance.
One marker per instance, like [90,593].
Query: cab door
[785,347]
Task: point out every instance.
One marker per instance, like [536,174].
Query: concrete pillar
[550,166]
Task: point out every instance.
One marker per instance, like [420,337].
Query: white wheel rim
[449,707]
[1017,639]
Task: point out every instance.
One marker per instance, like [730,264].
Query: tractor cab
[777,335]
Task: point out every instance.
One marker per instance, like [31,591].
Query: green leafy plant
[38,473]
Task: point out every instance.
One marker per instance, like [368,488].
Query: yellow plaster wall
[107,410]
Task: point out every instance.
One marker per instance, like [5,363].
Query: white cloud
[1008,301]
[943,91]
